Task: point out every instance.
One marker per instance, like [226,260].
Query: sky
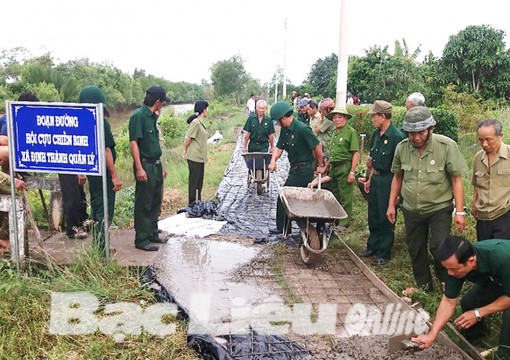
[181,40]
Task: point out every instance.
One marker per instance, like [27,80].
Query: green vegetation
[25,313]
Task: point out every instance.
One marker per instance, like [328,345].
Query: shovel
[403,342]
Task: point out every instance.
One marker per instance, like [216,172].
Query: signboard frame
[19,153]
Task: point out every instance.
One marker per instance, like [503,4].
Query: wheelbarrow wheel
[308,257]
[258,179]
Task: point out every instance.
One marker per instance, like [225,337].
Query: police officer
[384,140]
[302,148]
[343,159]
[149,173]
[427,170]
[94,95]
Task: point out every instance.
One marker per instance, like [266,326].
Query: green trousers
[437,224]
[342,190]
[479,296]
[382,232]
[299,176]
[97,208]
[148,198]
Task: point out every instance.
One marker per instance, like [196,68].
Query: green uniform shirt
[142,128]
[197,150]
[259,133]
[109,142]
[492,265]
[326,131]
[382,147]
[304,118]
[426,185]
[343,143]
[299,141]
[492,184]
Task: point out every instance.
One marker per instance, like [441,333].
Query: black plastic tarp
[252,346]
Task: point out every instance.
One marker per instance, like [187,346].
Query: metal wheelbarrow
[311,209]
[257,163]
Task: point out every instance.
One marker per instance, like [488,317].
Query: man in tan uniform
[491,181]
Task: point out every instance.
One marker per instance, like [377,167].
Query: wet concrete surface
[203,275]
[376,347]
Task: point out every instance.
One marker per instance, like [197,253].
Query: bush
[469,110]
[362,121]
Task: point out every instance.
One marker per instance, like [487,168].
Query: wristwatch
[477,315]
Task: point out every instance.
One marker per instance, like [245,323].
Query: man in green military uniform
[343,159]
[384,140]
[94,95]
[427,170]
[302,148]
[149,173]
[259,130]
[486,265]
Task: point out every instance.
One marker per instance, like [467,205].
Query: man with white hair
[415,99]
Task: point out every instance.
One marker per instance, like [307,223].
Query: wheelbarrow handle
[277,182]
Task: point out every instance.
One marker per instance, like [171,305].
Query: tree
[476,61]
[228,77]
[322,76]
[382,75]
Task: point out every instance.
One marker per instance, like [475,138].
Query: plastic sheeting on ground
[204,209]
[252,346]
[181,225]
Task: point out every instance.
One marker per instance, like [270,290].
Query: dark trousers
[382,232]
[437,224]
[298,176]
[479,296]
[342,190]
[97,207]
[195,181]
[494,229]
[75,202]
[148,198]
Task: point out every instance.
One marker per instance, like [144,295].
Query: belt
[333,164]
[151,161]
[382,172]
[300,164]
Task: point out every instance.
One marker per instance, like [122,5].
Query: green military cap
[279,109]
[338,110]
[418,119]
[381,107]
[92,95]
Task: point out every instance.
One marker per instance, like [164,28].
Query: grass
[25,313]
[25,297]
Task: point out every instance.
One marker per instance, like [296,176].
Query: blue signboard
[56,137]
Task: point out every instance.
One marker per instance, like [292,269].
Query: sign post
[63,138]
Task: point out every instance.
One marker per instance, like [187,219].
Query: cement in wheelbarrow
[311,203]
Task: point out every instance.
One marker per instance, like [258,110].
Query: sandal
[79,233]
